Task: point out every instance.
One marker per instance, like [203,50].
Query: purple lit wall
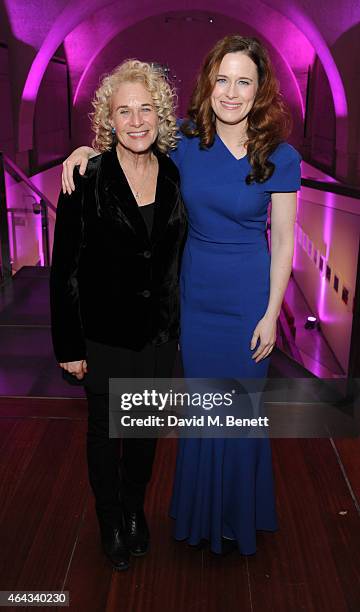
[321,126]
[296,30]
[25,235]
[52,130]
[7,133]
[331,223]
[139,41]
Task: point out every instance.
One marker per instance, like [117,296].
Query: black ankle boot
[114,545]
[137,532]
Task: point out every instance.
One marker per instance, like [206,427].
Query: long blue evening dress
[224,487]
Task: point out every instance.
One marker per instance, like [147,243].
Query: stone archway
[131,12]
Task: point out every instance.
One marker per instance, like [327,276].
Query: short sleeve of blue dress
[287,173]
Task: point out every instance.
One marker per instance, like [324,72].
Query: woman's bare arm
[283,214]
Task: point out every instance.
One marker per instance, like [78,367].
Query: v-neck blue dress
[224,487]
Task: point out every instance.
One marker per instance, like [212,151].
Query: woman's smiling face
[235,88]
[134,117]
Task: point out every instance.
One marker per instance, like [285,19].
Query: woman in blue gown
[233,161]
[224,487]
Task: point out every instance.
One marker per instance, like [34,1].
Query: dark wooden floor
[49,537]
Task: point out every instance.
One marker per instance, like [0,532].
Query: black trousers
[119,470]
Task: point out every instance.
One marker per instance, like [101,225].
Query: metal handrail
[12,167]
[5,259]
[44,204]
[338,188]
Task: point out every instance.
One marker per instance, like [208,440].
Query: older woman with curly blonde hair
[114,283]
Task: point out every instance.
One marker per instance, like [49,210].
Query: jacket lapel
[115,198]
[118,200]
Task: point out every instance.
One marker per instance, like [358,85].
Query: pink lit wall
[52,115]
[296,30]
[169,48]
[321,126]
[346,50]
[328,226]
[24,226]
[49,183]
[7,134]
[291,27]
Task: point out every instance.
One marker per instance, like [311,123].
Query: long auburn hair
[268,122]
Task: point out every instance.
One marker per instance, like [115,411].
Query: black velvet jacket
[110,282]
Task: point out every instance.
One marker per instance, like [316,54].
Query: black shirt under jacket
[110,281]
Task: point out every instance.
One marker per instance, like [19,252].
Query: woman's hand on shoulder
[79,157]
[76,368]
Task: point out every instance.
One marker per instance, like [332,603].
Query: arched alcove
[181,43]
[128,13]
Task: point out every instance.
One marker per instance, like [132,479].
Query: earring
[113,131]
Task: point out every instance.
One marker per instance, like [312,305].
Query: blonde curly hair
[163,95]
